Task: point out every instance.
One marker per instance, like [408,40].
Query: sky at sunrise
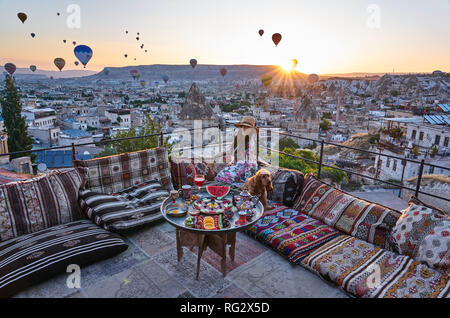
[324,36]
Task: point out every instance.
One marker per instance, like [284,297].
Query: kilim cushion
[287,185]
[362,219]
[36,204]
[423,233]
[125,209]
[36,257]
[184,171]
[291,233]
[364,270]
[115,173]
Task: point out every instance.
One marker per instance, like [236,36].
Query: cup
[186,191]
[242,218]
[174,194]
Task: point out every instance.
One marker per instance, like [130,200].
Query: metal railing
[320,163]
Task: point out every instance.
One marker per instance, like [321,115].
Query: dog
[259,185]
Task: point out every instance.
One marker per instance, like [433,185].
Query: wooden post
[404,162]
[321,159]
[74,153]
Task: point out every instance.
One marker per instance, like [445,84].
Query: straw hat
[247,121]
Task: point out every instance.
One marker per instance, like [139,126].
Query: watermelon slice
[218,191]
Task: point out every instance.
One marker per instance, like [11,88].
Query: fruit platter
[211,205]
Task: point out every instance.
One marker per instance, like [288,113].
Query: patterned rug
[291,233]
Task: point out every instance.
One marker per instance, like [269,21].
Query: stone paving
[149,269]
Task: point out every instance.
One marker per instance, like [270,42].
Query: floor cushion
[39,203]
[237,174]
[126,209]
[290,232]
[183,171]
[287,185]
[36,257]
[423,233]
[359,218]
[115,173]
[365,270]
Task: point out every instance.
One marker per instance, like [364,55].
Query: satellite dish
[42,167]
[86,153]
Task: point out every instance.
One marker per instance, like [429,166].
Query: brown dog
[259,185]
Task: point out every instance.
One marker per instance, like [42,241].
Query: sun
[287,65]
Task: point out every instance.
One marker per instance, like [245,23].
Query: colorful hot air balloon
[134,73]
[33,35]
[294,63]
[22,16]
[261,32]
[223,71]
[76,63]
[83,54]
[276,38]
[266,80]
[143,83]
[60,63]
[313,78]
[10,68]
[193,63]
[165,78]
[33,68]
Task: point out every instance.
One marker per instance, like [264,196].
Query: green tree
[325,125]
[15,124]
[148,128]
[287,143]
[326,115]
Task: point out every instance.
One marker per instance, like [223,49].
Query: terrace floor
[149,269]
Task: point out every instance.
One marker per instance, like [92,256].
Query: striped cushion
[36,257]
[36,204]
[126,209]
[115,173]
[364,270]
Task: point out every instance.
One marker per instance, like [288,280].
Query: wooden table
[216,240]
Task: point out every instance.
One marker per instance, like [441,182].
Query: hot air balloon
[313,78]
[223,71]
[126,32]
[106,72]
[137,38]
[83,54]
[143,83]
[76,63]
[74,43]
[57,13]
[134,73]
[266,80]
[142,46]
[165,78]
[138,33]
[126,55]
[22,16]
[33,68]
[33,35]
[10,68]
[193,63]
[51,77]
[261,32]
[64,41]
[276,38]
[294,63]
[60,63]
[145,51]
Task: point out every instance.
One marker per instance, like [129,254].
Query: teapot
[246,201]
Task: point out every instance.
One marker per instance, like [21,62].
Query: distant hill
[22,73]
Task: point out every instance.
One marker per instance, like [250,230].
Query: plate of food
[212,205]
[176,212]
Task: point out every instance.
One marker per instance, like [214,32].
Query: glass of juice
[199,181]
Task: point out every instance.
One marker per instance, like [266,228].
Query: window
[446,142]
[413,135]
[395,165]
[388,162]
[421,136]
[437,140]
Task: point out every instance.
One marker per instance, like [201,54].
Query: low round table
[217,240]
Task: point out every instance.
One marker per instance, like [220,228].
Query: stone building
[306,121]
[196,108]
